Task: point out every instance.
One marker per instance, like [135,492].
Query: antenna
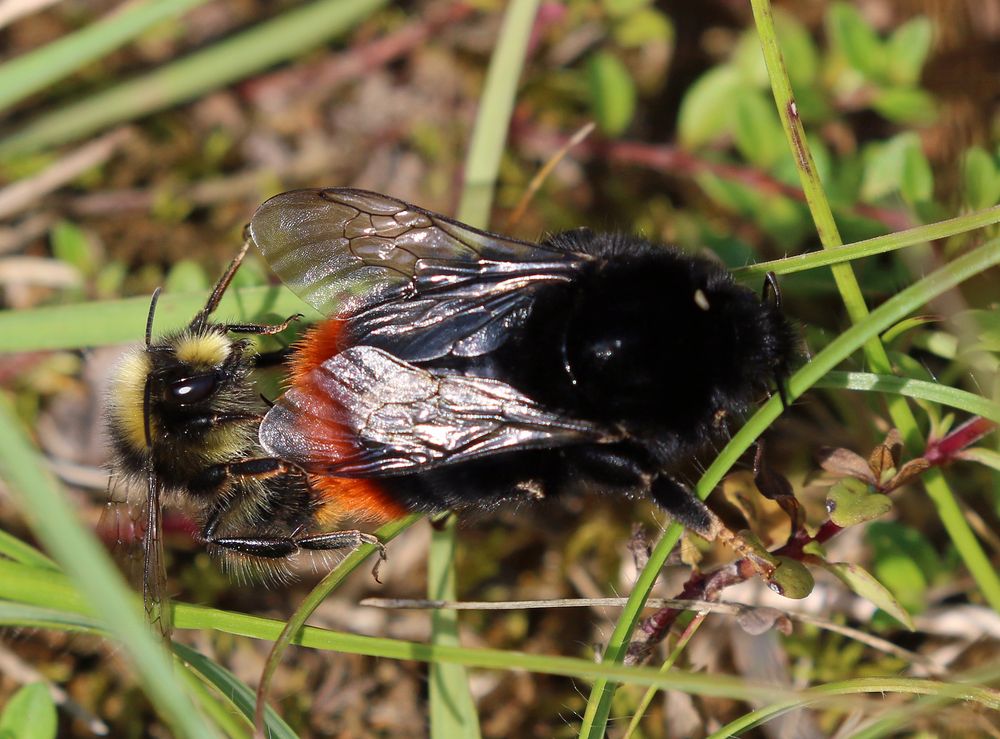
[149,317]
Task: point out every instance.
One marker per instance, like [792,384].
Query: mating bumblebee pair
[458,369]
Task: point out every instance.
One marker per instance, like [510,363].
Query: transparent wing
[131,525]
[364,412]
[415,283]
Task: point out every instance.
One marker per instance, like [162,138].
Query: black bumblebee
[183,415]
[466,369]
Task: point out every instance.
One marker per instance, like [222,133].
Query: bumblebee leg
[345,540]
[279,547]
[682,506]
[214,477]
[273,546]
[685,508]
[259,328]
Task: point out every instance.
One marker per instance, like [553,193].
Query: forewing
[415,283]
[364,412]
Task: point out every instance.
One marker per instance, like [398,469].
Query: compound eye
[193,389]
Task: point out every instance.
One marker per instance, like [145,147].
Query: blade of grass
[940,493]
[52,520]
[697,683]
[870,247]
[896,308]
[19,551]
[119,321]
[234,690]
[36,617]
[482,164]
[896,717]
[939,692]
[911,388]
[31,72]
[214,706]
[289,34]
[200,617]
[311,602]
[452,708]
[675,653]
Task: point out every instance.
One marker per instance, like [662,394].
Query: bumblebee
[461,368]
[183,418]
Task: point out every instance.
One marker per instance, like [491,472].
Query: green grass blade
[220,711]
[234,690]
[912,388]
[823,693]
[119,321]
[452,708]
[482,164]
[36,617]
[200,617]
[31,72]
[290,34]
[870,247]
[896,308]
[19,551]
[51,517]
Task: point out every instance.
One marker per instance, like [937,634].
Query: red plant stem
[944,450]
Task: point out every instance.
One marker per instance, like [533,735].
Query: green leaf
[908,48]
[857,41]
[706,111]
[983,327]
[759,136]
[748,59]
[621,8]
[71,245]
[798,48]
[907,324]
[905,105]
[791,579]
[885,166]
[861,582]
[904,561]
[986,457]
[30,714]
[981,178]
[917,183]
[644,26]
[851,501]
[612,92]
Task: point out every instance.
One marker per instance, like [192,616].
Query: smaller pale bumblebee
[183,416]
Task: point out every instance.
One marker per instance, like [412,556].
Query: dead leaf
[845,463]
[910,470]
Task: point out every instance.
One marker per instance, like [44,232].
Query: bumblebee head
[166,396]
